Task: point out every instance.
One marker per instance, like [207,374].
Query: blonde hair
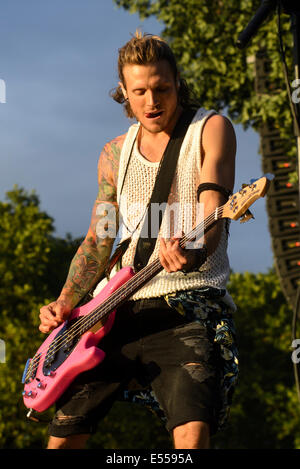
[143,49]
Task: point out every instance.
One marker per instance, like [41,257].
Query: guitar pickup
[246,217]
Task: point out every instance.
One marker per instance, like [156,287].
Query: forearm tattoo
[90,260]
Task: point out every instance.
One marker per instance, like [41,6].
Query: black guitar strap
[161,190]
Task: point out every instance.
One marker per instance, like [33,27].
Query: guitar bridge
[31,369]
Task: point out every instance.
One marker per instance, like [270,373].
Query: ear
[123,90]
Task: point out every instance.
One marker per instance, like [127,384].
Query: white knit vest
[136,192]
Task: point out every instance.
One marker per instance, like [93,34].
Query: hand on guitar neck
[173,257]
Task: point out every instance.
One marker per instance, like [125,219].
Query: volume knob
[29,394]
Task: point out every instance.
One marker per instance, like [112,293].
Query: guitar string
[86,320]
[153,267]
[132,281]
[190,236]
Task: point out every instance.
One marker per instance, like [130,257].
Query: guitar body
[52,372]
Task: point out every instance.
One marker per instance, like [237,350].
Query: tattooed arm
[90,260]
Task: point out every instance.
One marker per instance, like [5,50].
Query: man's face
[152,93]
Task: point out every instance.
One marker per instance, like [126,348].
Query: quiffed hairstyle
[143,49]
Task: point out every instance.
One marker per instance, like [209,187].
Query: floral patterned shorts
[177,356]
[205,306]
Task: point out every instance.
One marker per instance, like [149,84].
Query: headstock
[238,204]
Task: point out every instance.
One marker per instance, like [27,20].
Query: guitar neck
[149,271]
[234,208]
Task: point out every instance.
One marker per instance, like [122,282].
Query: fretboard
[144,275]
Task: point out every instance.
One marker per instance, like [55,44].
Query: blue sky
[58,61]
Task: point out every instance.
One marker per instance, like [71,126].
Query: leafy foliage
[265,410]
[203,37]
[30,272]
[34,264]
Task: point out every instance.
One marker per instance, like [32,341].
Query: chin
[154,127]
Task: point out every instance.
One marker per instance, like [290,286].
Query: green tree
[203,35]
[33,268]
[265,411]
[32,262]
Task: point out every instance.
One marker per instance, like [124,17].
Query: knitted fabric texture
[138,185]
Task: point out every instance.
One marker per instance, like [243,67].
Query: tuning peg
[269,176]
[246,217]
[244,185]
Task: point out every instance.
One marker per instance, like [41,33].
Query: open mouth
[153,115]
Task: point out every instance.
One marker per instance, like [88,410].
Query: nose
[151,99]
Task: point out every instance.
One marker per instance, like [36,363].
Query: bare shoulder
[218,131]
[112,150]
[108,163]
[218,151]
[218,125]
[218,138]
[108,169]
[114,147]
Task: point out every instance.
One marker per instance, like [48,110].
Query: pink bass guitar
[71,348]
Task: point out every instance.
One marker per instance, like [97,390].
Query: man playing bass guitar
[166,335]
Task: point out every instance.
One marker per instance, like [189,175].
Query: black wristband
[211,186]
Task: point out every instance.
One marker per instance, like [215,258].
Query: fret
[141,277]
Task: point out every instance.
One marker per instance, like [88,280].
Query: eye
[162,89]
[139,92]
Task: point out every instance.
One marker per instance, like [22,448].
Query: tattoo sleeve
[90,260]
